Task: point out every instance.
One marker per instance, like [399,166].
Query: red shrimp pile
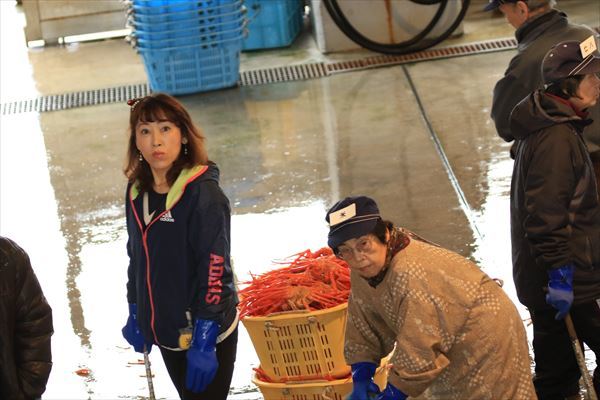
[311,281]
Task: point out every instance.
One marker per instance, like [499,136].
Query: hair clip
[133,102]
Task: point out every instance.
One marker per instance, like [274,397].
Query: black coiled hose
[416,43]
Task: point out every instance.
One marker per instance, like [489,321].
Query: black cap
[565,59]
[351,218]
[493,4]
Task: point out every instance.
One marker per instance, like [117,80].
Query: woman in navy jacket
[180,280]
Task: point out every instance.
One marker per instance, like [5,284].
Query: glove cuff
[363,371]
[562,274]
[392,392]
[133,309]
[205,335]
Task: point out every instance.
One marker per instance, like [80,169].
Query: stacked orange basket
[300,341]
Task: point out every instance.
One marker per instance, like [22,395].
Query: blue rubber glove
[560,289]
[362,381]
[202,361]
[391,392]
[131,331]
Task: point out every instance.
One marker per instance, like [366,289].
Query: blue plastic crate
[225,30]
[223,21]
[162,3]
[195,37]
[272,23]
[193,69]
[157,9]
[189,19]
[201,7]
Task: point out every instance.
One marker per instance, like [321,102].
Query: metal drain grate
[76,99]
[425,55]
[258,77]
[283,74]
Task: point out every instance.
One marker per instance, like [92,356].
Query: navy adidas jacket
[181,261]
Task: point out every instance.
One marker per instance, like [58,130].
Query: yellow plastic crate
[321,390]
[296,346]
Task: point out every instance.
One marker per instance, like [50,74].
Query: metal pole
[149,374]
[587,379]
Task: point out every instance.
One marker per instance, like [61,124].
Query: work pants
[218,389]
[556,370]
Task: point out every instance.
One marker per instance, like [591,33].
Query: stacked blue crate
[188,46]
[272,23]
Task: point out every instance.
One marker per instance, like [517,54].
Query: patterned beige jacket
[457,334]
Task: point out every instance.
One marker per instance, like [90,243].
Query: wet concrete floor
[417,138]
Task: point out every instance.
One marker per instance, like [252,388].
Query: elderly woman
[456,334]
[555,216]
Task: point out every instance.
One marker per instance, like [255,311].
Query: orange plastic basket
[295,346]
[315,390]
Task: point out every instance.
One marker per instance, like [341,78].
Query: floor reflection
[286,153]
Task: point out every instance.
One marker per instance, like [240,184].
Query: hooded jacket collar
[200,172]
[539,111]
[538,25]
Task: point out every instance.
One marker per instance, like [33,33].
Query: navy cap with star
[351,218]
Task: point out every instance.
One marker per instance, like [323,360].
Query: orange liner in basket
[337,389]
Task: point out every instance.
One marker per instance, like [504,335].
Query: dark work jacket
[181,260]
[555,211]
[524,73]
[25,327]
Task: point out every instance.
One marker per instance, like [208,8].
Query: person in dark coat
[25,327]
[555,216]
[539,26]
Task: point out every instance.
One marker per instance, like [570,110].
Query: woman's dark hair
[381,229]
[159,107]
[565,88]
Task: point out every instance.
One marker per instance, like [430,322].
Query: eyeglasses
[363,246]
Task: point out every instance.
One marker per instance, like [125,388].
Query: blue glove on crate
[362,381]
[131,331]
[560,289]
[391,392]
[202,361]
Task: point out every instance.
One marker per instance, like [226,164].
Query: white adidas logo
[167,217]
